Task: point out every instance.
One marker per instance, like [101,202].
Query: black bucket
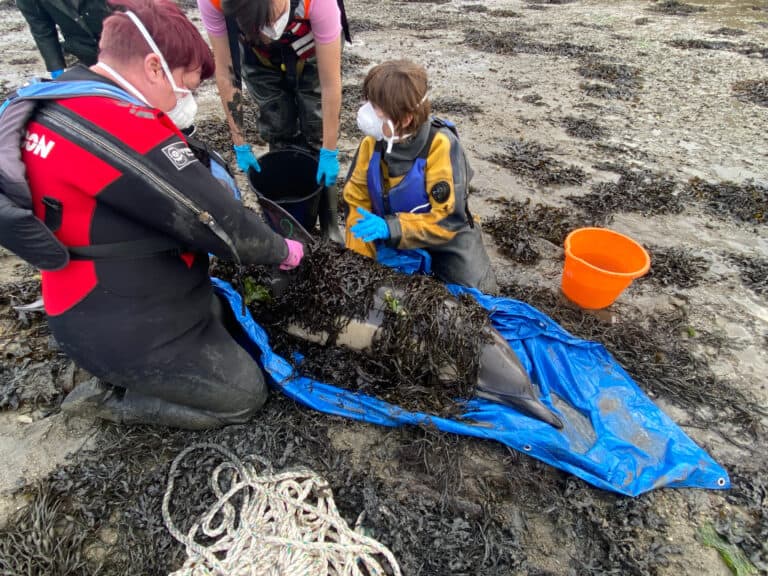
[288,178]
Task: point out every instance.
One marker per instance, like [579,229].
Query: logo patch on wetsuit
[38,145]
[179,154]
[441,191]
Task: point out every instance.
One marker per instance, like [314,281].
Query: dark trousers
[290,108]
[203,379]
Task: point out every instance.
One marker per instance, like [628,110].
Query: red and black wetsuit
[107,174]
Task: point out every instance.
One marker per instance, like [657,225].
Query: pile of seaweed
[726,31]
[606,91]
[675,7]
[748,531]
[424,24]
[511,83]
[753,272]
[656,351]
[528,159]
[505,13]
[700,44]
[30,383]
[745,48]
[443,504]
[642,190]
[535,99]
[215,132]
[592,25]
[364,25]
[44,539]
[620,81]
[32,370]
[516,42]
[475,8]
[753,91]
[550,1]
[584,128]
[101,515]
[506,43]
[426,354]
[24,60]
[351,100]
[518,225]
[16,293]
[675,266]
[745,202]
[544,4]
[607,71]
[443,105]
[352,63]
[617,150]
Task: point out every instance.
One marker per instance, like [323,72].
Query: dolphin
[500,377]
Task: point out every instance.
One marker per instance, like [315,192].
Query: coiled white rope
[286,525]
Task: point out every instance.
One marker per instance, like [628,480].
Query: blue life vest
[410,194]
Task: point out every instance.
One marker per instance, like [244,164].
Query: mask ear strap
[127,85]
[155,49]
[391,139]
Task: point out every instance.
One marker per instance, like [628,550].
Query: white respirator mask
[371,125]
[276,29]
[184,112]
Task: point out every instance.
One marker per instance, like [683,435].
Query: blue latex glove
[245,158]
[328,167]
[56,73]
[370,227]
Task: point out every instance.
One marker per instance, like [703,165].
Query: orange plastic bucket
[599,265]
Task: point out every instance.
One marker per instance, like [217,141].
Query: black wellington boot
[329,219]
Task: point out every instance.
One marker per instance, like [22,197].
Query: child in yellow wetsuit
[409,182]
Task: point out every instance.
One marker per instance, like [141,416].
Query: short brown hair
[398,88]
[176,37]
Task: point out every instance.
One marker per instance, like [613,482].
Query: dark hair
[176,37]
[251,15]
[398,88]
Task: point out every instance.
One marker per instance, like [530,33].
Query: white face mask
[183,113]
[274,31]
[371,125]
[369,122]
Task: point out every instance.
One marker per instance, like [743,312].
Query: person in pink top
[290,57]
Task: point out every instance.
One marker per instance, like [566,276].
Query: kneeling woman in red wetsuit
[137,214]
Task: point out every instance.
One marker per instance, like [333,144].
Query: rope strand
[287,524]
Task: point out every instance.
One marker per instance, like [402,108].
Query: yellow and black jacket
[421,190]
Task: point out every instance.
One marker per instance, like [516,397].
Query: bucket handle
[296,148]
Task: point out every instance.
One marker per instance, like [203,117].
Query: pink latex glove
[295,254]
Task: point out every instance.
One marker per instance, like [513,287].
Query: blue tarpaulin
[614,437]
